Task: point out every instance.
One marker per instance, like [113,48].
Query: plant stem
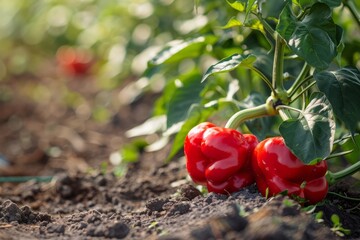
[263,77]
[335,177]
[265,109]
[345,197]
[299,80]
[267,27]
[289,108]
[268,30]
[283,115]
[352,7]
[302,92]
[278,65]
[339,154]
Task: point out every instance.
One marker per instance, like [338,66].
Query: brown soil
[153,200]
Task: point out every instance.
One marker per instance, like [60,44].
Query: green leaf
[255,24]
[233,22]
[249,6]
[180,49]
[150,126]
[243,6]
[271,8]
[158,144]
[287,23]
[342,88]
[230,63]
[319,216]
[186,94]
[335,220]
[238,5]
[130,152]
[306,3]
[315,38]
[310,137]
[331,3]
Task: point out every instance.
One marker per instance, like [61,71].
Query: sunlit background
[115,32]
[75,62]
[105,42]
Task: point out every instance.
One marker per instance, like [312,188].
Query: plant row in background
[105,43]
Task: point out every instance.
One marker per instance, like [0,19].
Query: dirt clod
[55,228]
[10,212]
[114,230]
[179,208]
[117,230]
[189,192]
[156,204]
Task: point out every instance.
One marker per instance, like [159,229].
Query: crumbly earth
[153,200]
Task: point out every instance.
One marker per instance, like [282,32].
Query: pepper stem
[263,110]
[299,80]
[332,178]
[278,65]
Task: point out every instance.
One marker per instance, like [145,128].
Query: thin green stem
[264,78]
[352,7]
[289,108]
[278,65]
[345,197]
[302,92]
[299,85]
[303,13]
[339,154]
[250,113]
[346,137]
[283,114]
[267,27]
[335,177]
[299,80]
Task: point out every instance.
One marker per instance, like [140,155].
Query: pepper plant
[277,68]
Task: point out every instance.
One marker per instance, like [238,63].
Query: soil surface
[78,198]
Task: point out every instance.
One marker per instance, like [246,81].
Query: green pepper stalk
[263,110]
[332,178]
[278,95]
[278,65]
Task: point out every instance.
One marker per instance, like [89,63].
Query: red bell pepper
[277,169]
[73,61]
[219,158]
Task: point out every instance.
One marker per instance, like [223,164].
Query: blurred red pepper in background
[73,61]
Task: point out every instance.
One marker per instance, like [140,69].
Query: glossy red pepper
[219,158]
[277,169]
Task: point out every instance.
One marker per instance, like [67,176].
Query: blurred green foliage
[122,34]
